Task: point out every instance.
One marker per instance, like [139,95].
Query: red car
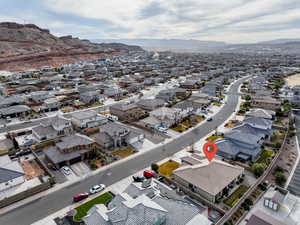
[149,174]
[80,196]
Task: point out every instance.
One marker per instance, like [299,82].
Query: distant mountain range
[280,41]
[285,46]
[168,44]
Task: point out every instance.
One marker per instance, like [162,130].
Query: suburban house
[113,92]
[261,218]
[150,104]
[146,203]
[11,100]
[15,111]
[256,126]
[244,141]
[265,102]
[211,180]
[188,107]
[69,150]
[240,145]
[53,128]
[164,116]
[116,135]
[127,111]
[169,95]
[11,173]
[209,90]
[39,96]
[89,97]
[88,119]
[261,113]
[166,95]
[194,104]
[190,84]
[50,104]
[276,207]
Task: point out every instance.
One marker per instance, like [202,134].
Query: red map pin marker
[210,149]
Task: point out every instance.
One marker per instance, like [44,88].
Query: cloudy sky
[221,20]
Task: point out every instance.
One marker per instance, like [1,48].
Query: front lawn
[123,153]
[235,196]
[267,153]
[167,168]
[81,211]
[180,128]
[213,138]
[3,152]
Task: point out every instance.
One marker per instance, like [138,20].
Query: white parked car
[111,117]
[97,188]
[162,129]
[66,170]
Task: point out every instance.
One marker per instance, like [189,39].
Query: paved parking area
[81,169]
[71,177]
[172,133]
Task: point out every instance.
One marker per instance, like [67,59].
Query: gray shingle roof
[14,109]
[113,128]
[57,156]
[246,138]
[74,140]
[84,114]
[259,122]
[43,131]
[179,212]
[7,175]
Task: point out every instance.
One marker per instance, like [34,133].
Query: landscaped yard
[267,153]
[217,103]
[3,152]
[213,138]
[197,118]
[235,196]
[180,128]
[167,168]
[123,153]
[229,125]
[84,208]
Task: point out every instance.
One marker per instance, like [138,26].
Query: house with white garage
[88,119]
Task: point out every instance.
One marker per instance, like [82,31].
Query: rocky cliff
[29,46]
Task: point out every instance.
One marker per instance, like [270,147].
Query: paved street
[39,209]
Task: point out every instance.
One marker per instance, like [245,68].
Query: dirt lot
[32,169]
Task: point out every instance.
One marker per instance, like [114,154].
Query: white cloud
[232,20]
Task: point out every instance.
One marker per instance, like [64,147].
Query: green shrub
[280,178]
[258,169]
[154,167]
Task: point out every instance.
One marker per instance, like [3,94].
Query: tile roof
[211,177]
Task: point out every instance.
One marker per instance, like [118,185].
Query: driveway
[81,169]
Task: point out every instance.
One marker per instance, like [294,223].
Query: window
[275,206]
[271,205]
[267,202]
